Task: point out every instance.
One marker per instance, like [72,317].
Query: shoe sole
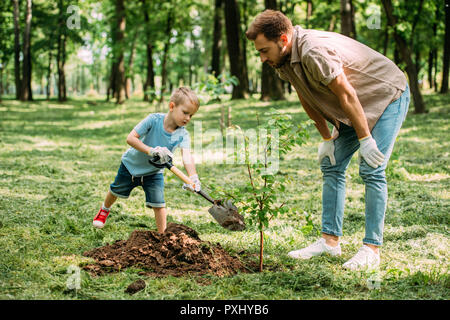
[307,258]
[98,224]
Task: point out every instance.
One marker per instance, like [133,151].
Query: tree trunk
[261,249]
[217,39]
[60,55]
[129,73]
[386,40]
[445,71]
[348,19]
[432,51]
[119,86]
[166,53]
[332,23]
[1,82]
[271,84]
[18,80]
[150,78]
[49,73]
[235,54]
[405,54]
[309,9]
[111,91]
[26,94]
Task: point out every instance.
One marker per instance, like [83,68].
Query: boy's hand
[197,185]
[164,154]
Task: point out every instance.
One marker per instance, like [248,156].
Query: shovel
[224,212]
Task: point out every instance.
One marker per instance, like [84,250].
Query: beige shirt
[318,57]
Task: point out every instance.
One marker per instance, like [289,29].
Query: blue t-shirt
[152,133]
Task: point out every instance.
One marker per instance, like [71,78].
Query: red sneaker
[100,218]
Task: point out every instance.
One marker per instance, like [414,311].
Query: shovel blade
[227,215]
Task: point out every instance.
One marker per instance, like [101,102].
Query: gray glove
[326,149]
[369,152]
[163,153]
[197,185]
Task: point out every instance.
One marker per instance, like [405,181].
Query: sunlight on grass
[95,125]
[60,106]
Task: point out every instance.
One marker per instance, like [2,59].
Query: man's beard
[282,61]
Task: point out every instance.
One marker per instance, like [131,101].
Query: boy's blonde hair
[182,94]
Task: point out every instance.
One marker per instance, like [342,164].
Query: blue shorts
[153,186]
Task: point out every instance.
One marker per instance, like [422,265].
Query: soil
[136,286]
[177,252]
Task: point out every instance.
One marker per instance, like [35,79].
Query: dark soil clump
[177,252]
[136,286]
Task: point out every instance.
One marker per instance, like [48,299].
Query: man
[364,95]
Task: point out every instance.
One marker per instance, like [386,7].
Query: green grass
[58,159]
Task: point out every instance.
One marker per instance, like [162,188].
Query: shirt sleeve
[323,63]
[145,125]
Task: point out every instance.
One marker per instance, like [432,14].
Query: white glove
[369,152]
[326,149]
[197,185]
[164,154]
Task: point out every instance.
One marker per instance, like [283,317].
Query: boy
[158,134]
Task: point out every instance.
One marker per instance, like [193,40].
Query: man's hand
[369,151]
[164,154]
[326,149]
[197,185]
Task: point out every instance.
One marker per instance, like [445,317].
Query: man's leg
[333,197]
[333,194]
[384,133]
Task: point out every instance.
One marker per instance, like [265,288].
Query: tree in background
[23,70]
[168,44]
[235,52]
[406,56]
[150,75]
[61,52]
[446,55]
[217,38]
[271,85]
[348,19]
[17,49]
[119,80]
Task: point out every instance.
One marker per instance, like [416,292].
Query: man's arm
[349,102]
[319,121]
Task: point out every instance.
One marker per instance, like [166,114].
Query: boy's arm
[188,162]
[133,140]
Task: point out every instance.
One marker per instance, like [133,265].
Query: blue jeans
[153,186]
[384,132]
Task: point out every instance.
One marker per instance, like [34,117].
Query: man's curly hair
[272,24]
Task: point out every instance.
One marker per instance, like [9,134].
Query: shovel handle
[206,196]
[186,179]
[181,175]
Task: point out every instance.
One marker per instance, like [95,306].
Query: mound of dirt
[177,252]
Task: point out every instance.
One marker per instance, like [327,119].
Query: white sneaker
[364,258]
[315,249]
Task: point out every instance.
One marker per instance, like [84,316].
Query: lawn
[58,159]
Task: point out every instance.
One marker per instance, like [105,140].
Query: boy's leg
[153,186]
[109,200]
[160,218]
[120,188]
